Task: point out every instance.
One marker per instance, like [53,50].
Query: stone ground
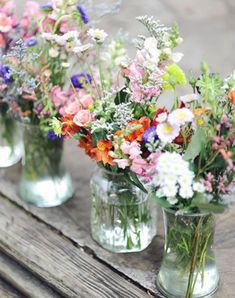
[207,27]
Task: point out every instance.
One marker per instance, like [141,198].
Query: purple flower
[81,79]
[46,7]
[52,136]
[83,14]
[5,74]
[31,42]
[150,134]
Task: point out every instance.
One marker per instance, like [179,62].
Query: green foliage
[174,36]
[173,77]
[196,145]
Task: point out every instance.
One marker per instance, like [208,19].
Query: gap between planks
[34,245]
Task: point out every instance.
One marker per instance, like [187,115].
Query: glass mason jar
[44,179]
[188,268]
[123,219]
[11,147]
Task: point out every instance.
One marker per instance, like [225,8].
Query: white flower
[65,64]
[172,200]
[186,179]
[199,187]
[169,190]
[122,163]
[161,117]
[167,132]
[180,116]
[71,35]
[60,40]
[97,35]
[53,53]
[186,192]
[83,48]
[176,57]
[189,98]
[48,36]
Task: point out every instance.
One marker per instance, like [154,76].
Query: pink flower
[73,108]
[6,23]
[132,149]
[2,41]
[86,101]
[83,117]
[58,96]
[138,166]
[122,163]
[8,7]
[2,87]
[136,72]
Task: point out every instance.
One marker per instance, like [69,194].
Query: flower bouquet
[193,169]
[112,120]
[37,68]
[10,138]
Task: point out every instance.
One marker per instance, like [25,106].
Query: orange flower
[104,145]
[199,111]
[231,96]
[99,153]
[137,134]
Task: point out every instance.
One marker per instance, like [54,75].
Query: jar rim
[187,214]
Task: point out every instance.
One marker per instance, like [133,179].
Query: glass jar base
[46,192]
[113,240]
[9,158]
[167,294]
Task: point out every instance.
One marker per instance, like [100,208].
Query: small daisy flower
[53,53]
[97,35]
[167,132]
[189,98]
[180,116]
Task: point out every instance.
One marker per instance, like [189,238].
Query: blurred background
[207,26]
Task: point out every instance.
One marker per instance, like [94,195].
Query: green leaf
[161,201]
[97,136]
[196,145]
[210,207]
[132,177]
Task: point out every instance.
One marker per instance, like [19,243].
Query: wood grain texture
[56,260]
[23,280]
[6,291]
[73,220]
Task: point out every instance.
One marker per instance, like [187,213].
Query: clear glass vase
[123,219]
[188,268]
[11,147]
[44,179]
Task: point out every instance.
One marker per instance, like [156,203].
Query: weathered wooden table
[50,253]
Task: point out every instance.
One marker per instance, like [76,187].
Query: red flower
[68,126]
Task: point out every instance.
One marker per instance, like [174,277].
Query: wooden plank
[73,220]
[6,291]
[56,260]
[24,281]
